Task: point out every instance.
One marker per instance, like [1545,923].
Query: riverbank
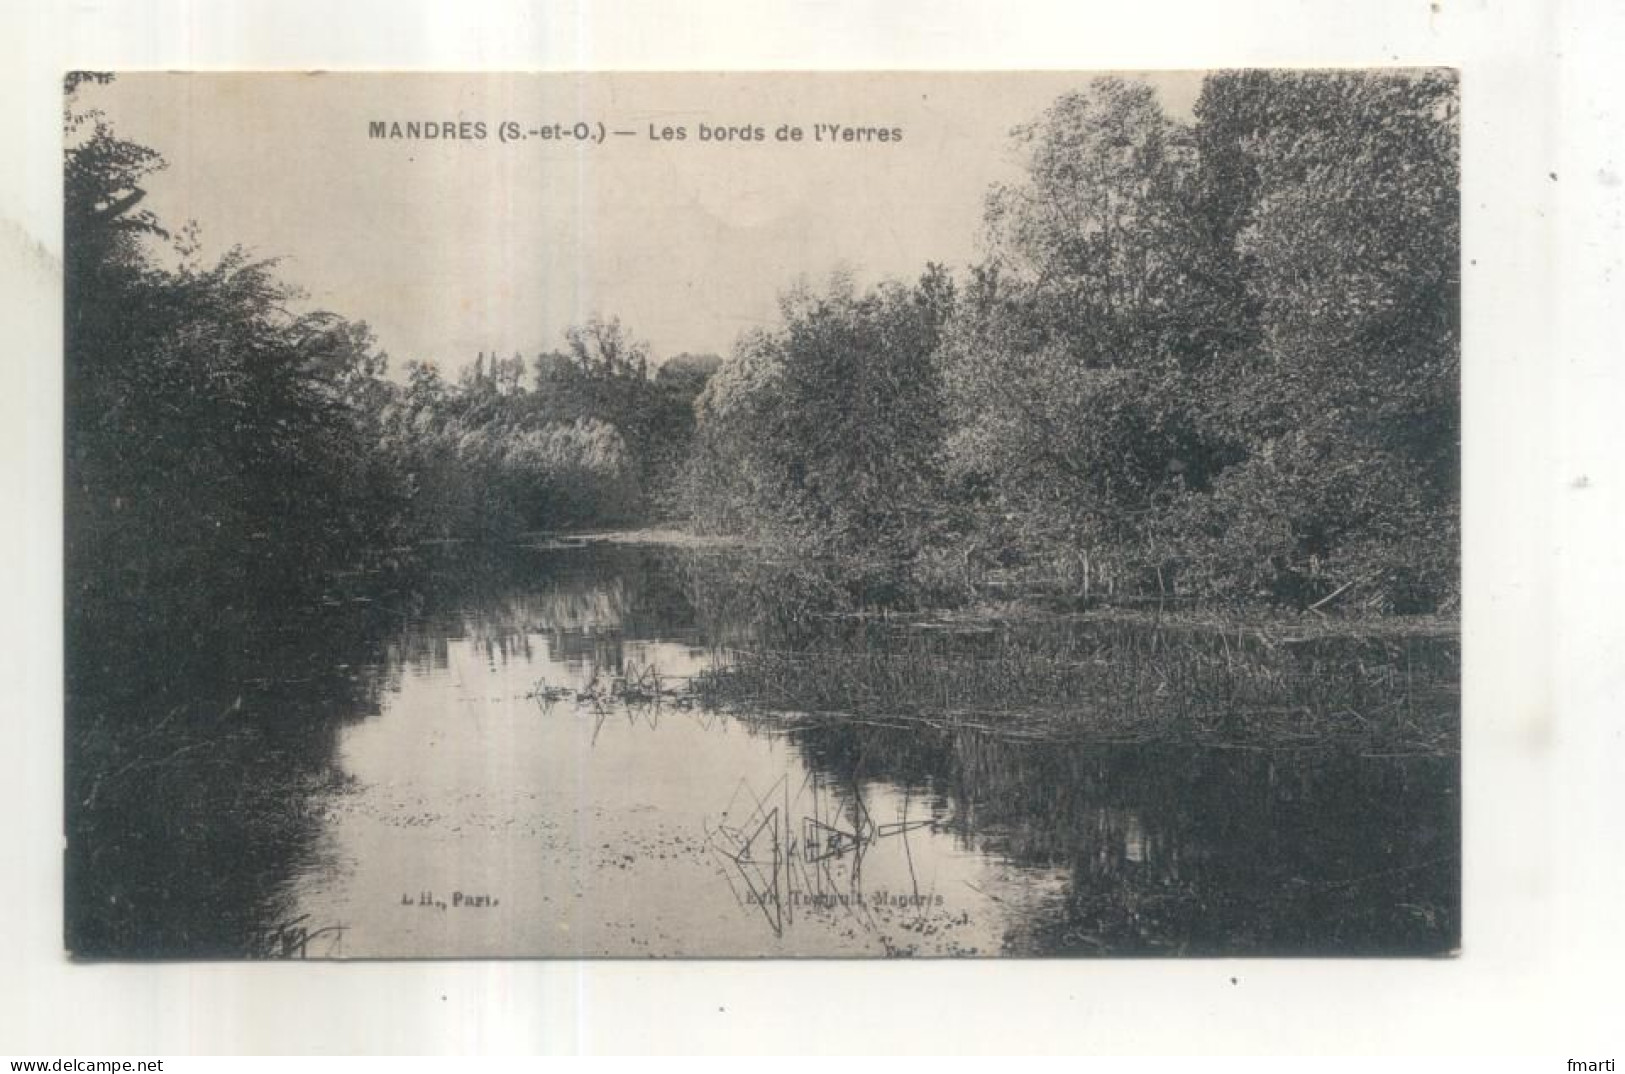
[793,644]
[990,600]
[1111,675]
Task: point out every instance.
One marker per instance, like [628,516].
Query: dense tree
[1217,358]
[487,458]
[1349,240]
[1091,332]
[219,443]
[220,460]
[588,438]
[830,426]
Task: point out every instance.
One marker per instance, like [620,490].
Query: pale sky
[447,248]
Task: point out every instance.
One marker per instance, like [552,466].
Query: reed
[1111,680]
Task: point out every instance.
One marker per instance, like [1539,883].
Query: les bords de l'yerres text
[597,132]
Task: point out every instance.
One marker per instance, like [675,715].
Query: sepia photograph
[762,515]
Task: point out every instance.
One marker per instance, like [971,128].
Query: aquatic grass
[634,685]
[1111,680]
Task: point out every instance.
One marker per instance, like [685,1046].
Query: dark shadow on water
[195,766]
[1190,852]
[201,725]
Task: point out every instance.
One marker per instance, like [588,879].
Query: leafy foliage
[1218,358]
[831,426]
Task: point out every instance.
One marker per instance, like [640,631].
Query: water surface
[512,795]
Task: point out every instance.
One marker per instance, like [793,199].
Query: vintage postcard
[762,515]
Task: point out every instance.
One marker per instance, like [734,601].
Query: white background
[1541,970]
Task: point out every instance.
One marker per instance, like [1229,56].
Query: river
[511,761]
